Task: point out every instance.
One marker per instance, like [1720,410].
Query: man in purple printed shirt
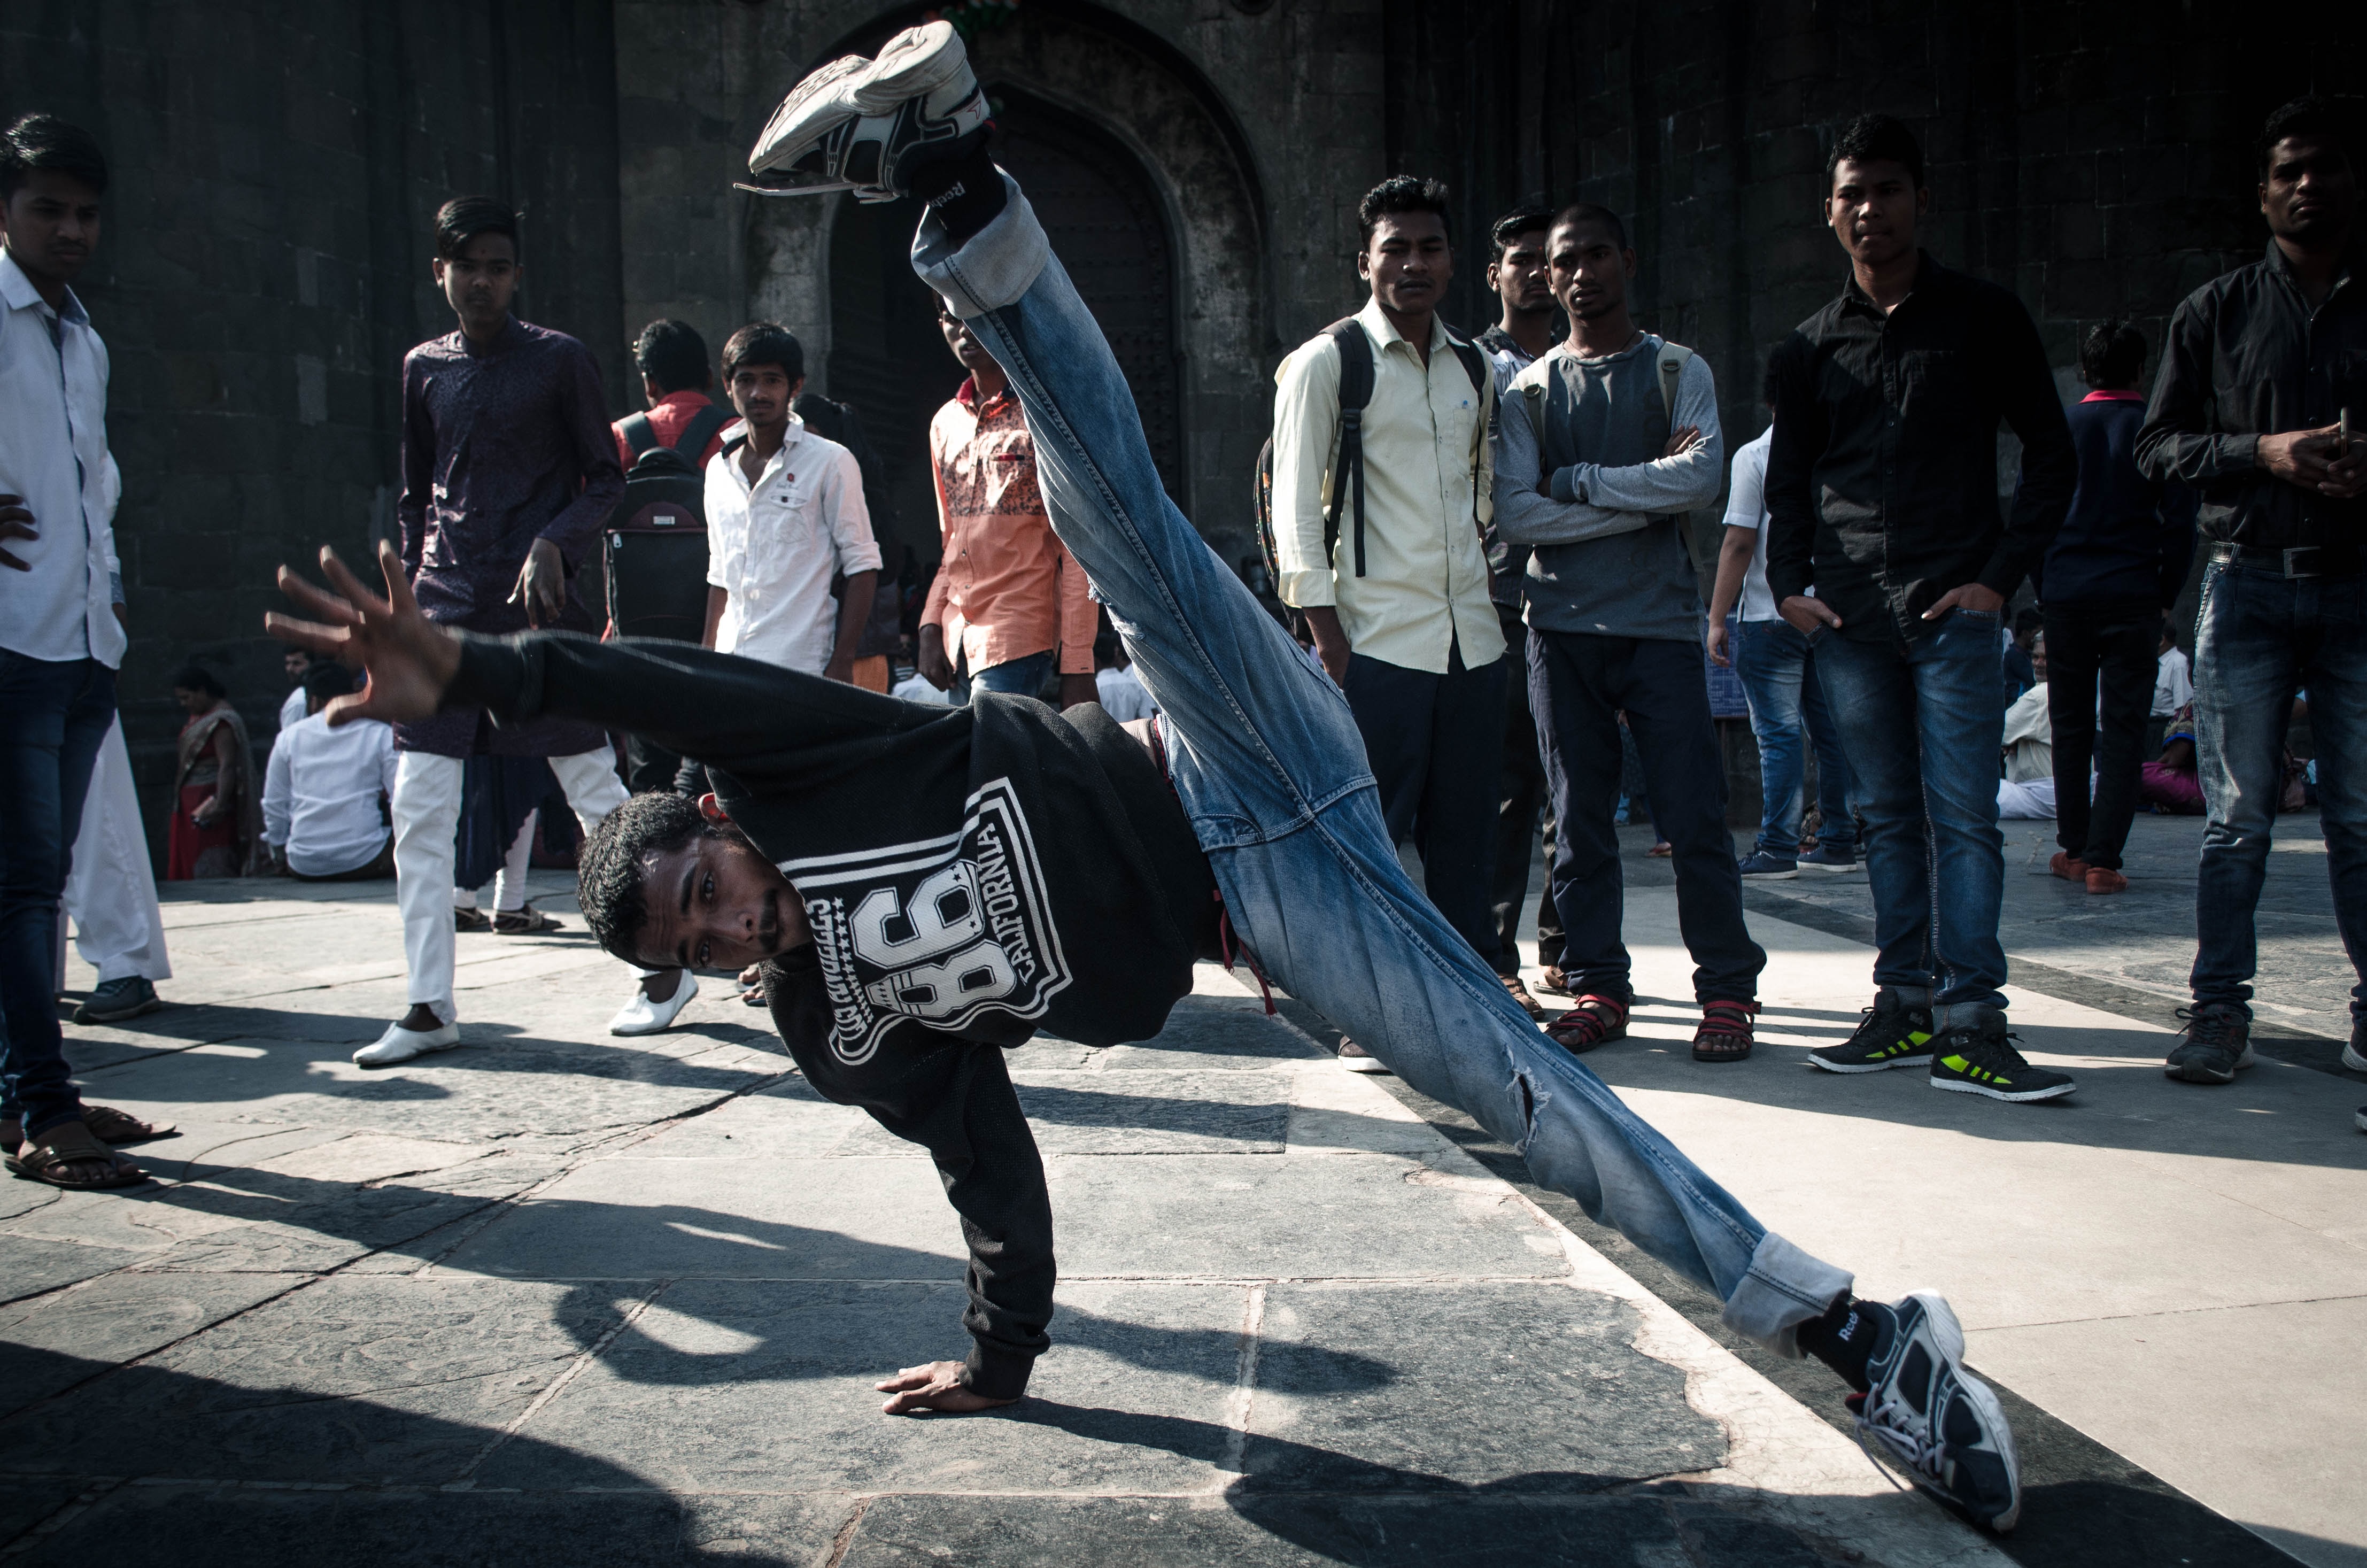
[509,469]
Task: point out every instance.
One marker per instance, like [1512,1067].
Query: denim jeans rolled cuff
[1783,1289]
[995,269]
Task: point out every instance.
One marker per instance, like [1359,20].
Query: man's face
[1407,262]
[965,344]
[1874,208]
[480,283]
[2038,658]
[296,663]
[52,224]
[1521,279]
[1590,270]
[762,394]
[716,903]
[2310,194]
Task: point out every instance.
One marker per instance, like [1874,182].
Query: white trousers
[509,882]
[2032,802]
[111,893]
[426,812]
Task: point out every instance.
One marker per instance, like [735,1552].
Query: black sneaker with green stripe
[1979,1059]
[1893,1033]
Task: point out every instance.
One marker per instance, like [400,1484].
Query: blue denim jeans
[52,717]
[1922,724]
[1787,708]
[1267,761]
[2259,638]
[1023,677]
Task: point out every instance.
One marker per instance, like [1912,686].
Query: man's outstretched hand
[936,1386]
[409,659]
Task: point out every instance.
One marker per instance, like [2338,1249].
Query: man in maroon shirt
[509,469]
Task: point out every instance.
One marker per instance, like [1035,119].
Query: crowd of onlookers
[1486,541]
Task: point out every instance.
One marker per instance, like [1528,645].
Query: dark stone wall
[264,266]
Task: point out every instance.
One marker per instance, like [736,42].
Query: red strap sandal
[1725,1033]
[1596,1021]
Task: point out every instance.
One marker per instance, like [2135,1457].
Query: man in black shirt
[2263,377]
[1882,494]
[1048,870]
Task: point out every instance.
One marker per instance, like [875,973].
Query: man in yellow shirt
[1400,608]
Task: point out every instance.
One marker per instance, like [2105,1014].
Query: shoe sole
[914,70]
[84,1016]
[1831,870]
[2360,1119]
[911,70]
[1950,1334]
[1771,876]
[1923,1061]
[2022,1097]
[2352,1060]
[412,1056]
[1363,1064]
[2198,1073]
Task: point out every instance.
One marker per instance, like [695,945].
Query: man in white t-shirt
[1779,679]
[324,792]
[784,516]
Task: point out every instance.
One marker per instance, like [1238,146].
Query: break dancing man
[1055,870]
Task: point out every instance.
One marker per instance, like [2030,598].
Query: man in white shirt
[1390,572]
[785,516]
[61,633]
[1779,679]
[325,790]
[2026,793]
[1121,692]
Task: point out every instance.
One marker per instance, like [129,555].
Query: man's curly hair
[609,881]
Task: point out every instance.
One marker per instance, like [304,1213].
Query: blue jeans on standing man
[1922,724]
[1021,676]
[1778,675]
[53,714]
[1267,761]
[2259,638]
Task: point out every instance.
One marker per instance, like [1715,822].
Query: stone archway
[1117,120]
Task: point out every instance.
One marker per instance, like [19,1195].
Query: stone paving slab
[556,1298]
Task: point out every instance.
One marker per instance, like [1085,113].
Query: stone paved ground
[559,1299]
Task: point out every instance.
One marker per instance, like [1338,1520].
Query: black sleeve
[2026,397]
[762,724]
[1790,458]
[953,1097]
[2177,511]
[2182,440]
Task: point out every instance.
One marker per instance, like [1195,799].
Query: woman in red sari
[217,813]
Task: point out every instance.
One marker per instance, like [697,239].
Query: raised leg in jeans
[1266,759]
[2113,647]
[53,714]
[1922,724]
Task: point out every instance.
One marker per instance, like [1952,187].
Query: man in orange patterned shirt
[1008,599]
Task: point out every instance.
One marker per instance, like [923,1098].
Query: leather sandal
[1596,1021]
[524,921]
[470,919]
[1725,1033]
[63,1157]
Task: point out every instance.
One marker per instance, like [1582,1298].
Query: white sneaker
[643,1016]
[400,1044]
[1934,1419]
[856,124]
[1356,1059]
[2352,1060]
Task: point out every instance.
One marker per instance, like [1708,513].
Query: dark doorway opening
[1107,225]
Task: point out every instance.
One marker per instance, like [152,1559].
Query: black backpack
[654,548]
[1356,391]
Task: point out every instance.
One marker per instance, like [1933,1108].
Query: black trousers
[1522,803]
[2115,647]
[1436,745]
[1578,684]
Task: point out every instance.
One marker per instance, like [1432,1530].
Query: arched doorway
[1109,228]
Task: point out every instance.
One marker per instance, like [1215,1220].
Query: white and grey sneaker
[864,125]
[1934,1419]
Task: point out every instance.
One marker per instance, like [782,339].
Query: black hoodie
[971,875]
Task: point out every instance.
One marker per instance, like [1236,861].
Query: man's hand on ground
[1078,688]
[936,1386]
[931,661]
[541,583]
[1331,641]
[16,522]
[409,659]
[1971,596]
[1807,613]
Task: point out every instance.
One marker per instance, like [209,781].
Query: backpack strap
[735,440]
[639,433]
[1483,383]
[1673,357]
[692,437]
[1356,391]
